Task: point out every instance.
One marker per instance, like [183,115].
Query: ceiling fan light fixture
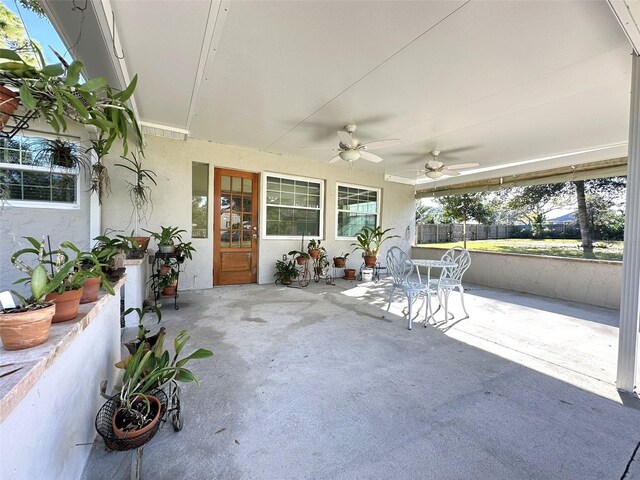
[349,155]
[434,174]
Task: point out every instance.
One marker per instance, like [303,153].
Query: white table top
[422,262]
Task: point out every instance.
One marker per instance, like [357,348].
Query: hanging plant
[54,92]
[139,191]
[100,180]
[59,153]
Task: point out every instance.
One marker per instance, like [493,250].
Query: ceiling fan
[351,149]
[434,168]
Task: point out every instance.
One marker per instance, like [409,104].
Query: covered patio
[313,383]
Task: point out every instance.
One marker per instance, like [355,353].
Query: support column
[630,299]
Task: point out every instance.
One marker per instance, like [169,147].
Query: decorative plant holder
[90,290]
[104,424]
[26,329]
[67,304]
[367,274]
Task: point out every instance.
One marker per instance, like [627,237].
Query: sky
[41,30]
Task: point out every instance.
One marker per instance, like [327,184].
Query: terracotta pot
[314,253]
[339,262]
[67,304]
[90,290]
[136,438]
[26,329]
[286,281]
[143,242]
[350,273]
[301,260]
[169,291]
[370,260]
[164,270]
[8,104]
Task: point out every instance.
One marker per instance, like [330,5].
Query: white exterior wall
[59,223]
[49,434]
[594,282]
[172,159]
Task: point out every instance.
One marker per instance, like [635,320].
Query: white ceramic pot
[367,274]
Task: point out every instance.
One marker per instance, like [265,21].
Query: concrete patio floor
[313,384]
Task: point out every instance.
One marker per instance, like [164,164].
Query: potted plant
[286,271]
[369,240]
[55,93]
[167,237]
[27,325]
[300,257]
[149,368]
[95,278]
[168,283]
[59,153]
[314,248]
[340,261]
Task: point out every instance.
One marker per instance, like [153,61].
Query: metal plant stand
[172,260]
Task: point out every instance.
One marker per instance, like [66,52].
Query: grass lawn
[558,248]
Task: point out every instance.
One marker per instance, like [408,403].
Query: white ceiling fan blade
[451,173]
[372,157]
[319,148]
[345,138]
[335,159]
[381,143]
[435,164]
[460,166]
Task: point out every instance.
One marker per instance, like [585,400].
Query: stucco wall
[172,159]
[60,224]
[595,282]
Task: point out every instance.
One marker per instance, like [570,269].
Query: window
[28,179]
[357,207]
[199,200]
[293,206]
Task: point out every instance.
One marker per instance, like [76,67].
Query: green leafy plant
[370,239]
[185,249]
[314,245]
[55,93]
[167,235]
[286,270]
[59,153]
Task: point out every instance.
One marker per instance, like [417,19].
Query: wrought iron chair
[401,267]
[451,278]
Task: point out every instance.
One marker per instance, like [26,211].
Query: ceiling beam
[628,14]
[585,171]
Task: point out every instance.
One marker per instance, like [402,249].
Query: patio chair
[401,267]
[451,278]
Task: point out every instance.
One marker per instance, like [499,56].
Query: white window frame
[11,202]
[361,187]
[263,209]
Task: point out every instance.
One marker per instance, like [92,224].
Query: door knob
[254,236]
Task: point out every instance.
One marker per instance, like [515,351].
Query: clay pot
[301,260]
[370,261]
[67,304]
[8,104]
[339,262]
[139,437]
[26,329]
[169,291]
[286,281]
[143,242]
[314,253]
[90,290]
[164,270]
[349,273]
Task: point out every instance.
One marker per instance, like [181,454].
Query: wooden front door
[235,227]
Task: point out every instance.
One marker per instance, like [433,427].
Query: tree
[428,213]
[462,208]
[534,201]
[13,35]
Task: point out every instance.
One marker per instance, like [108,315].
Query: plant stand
[166,258]
[324,275]
[377,270]
[304,275]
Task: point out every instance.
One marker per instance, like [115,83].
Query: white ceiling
[506,82]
